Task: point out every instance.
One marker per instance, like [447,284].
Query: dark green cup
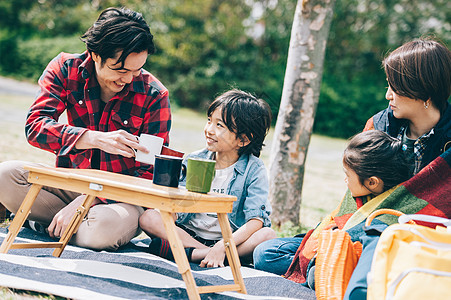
[199,174]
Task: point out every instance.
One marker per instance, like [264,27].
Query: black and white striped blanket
[125,274]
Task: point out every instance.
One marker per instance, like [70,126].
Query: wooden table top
[129,189]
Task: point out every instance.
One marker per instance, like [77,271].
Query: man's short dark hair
[119,29]
[244,114]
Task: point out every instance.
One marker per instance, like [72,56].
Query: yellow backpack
[412,261]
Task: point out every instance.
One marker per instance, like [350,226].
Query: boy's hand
[215,257]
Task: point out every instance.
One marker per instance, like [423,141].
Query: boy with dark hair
[236,128]
[109,100]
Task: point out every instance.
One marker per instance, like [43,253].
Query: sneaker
[33,225]
[161,248]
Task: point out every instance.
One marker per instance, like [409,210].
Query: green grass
[14,294]
[16,102]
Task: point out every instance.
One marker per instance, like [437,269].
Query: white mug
[153,144]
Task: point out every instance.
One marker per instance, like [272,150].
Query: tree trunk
[300,96]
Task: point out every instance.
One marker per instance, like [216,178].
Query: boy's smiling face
[218,137]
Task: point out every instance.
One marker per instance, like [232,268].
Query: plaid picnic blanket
[428,192]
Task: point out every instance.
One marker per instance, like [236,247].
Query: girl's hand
[215,257]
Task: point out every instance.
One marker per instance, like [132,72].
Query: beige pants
[106,226]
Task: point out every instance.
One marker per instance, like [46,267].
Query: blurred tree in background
[205,47]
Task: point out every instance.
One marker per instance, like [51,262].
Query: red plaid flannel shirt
[69,84]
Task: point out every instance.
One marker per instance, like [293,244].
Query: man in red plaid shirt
[109,100]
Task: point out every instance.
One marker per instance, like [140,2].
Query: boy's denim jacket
[250,186]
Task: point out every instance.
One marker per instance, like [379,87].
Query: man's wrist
[85,141]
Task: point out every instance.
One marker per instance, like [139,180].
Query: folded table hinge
[95,187]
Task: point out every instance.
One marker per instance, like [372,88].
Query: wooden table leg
[231,252]
[180,255]
[74,224]
[20,217]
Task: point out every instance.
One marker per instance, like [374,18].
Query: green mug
[199,174]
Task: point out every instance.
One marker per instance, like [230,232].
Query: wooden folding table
[136,191]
